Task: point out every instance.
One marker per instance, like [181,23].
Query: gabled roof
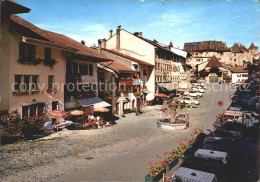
[115,66]
[129,57]
[238,69]
[210,45]
[214,62]
[238,48]
[31,33]
[11,7]
[252,46]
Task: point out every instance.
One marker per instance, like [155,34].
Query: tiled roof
[252,46]
[31,32]
[238,48]
[238,69]
[129,57]
[214,62]
[12,7]
[226,77]
[206,46]
[115,66]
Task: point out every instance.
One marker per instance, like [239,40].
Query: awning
[71,104]
[191,175]
[97,102]
[232,113]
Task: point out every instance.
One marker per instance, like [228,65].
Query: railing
[126,82]
[73,78]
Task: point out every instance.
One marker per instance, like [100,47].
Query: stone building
[152,52]
[37,64]
[214,71]
[237,55]
[130,76]
[239,74]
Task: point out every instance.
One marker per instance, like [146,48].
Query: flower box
[173,163]
[26,92]
[157,177]
[187,152]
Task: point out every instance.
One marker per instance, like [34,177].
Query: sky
[176,21]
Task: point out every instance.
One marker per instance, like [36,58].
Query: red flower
[166,153]
[156,163]
[150,163]
[151,170]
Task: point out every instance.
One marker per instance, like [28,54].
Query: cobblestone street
[112,153]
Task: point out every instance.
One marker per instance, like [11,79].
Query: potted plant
[136,94]
[156,170]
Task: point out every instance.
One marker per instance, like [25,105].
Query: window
[91,69]
[40,108]
[75,68]
[135,66]
[83,69]
[17,79]
[235,60]
[68,67]
[33,110]
[144,72]
[50,82]
[198,60]
[25,110]
[238,75]
[26,50]
[35,81]
[26,82]
[47,53]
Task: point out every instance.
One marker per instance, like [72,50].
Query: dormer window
[135,66]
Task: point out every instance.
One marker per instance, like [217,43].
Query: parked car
[192,105]
[193,81]
[217,143]
[199,84]
[193,93]
[198,89]
[187,100]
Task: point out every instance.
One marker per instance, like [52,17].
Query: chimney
[83,42]
[139,34]
[103,43]
[170,45]
[110,33]
[118,37]
[99,45]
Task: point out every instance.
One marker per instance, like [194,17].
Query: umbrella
[101,109]
[76,113]
[56,114]
[160,95]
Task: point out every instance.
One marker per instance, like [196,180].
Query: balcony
[126,82]
[73,78]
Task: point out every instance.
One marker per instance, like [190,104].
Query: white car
[193,93]
[198,89]
[187,100]
[198,84]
